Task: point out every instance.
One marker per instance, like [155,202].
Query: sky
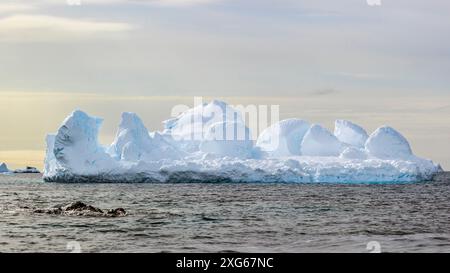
[319,60]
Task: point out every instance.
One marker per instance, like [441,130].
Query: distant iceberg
[27,169]
[3,168]
[198,146]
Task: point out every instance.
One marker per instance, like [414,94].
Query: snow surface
[210,143]
[353,153]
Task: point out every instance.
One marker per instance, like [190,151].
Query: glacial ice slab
[223,151]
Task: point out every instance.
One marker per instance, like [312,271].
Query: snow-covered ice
[350,133]
[353,153]
[387,143]
[283,138]
[189,129]
[211,143]
[318,141]
[134,143]
[228,139]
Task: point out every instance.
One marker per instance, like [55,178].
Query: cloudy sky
[319,60]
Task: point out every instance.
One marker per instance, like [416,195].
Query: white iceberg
[4,168]
[219,149]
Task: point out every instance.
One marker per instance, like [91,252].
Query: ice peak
[3,168]
[132,123]
[283,138]
[131,133]
[318,141]
[350,133]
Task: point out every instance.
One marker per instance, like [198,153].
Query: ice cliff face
[76,149]
[212,143]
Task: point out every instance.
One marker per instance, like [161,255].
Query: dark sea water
[253,217]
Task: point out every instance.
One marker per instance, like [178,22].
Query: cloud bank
[44,27]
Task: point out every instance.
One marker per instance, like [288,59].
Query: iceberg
[27,169]
[211,143]
[3,168]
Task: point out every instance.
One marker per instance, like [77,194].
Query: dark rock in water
[81,209]
[116,212]
[80,206]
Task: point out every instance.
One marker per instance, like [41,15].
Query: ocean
[227,217]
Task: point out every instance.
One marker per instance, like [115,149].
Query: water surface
[209,217]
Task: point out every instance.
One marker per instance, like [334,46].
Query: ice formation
[387,143]
[353,153]
[134,143]
[283,138]
[350,133]
[189,129]
[211,143]
[3,168]
[27,169]
[231,139]
[318,141]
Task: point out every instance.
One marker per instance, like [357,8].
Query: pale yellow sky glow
[28,117]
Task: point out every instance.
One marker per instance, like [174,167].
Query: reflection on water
[227,217]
